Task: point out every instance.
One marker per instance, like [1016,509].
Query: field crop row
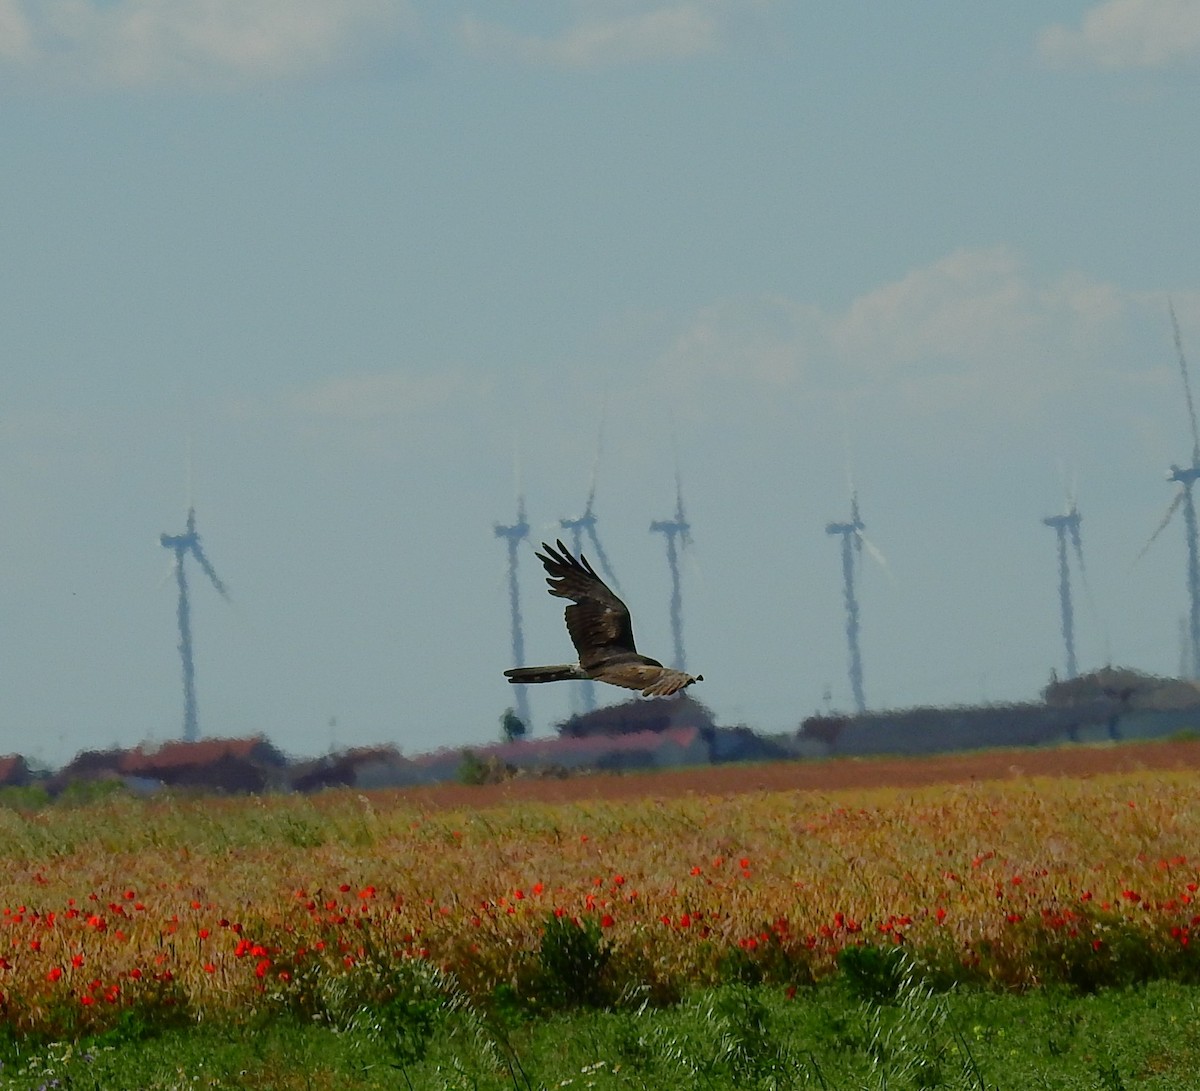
[198,909]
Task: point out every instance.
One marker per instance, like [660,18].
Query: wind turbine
[514,535]
[853,542]
[1185,647]
[585,525]
[674,529]
[181,545]
[1066,526]
[1186,477]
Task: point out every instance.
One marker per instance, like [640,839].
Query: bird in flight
[602,633]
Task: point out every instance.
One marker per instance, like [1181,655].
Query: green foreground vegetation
[860,1030]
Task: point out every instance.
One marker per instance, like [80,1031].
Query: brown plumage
[602,633]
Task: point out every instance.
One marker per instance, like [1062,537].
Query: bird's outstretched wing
[597,620]
[669,682]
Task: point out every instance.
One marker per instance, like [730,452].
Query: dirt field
[829,775]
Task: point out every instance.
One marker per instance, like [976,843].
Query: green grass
[839,1035]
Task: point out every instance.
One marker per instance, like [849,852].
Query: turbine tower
[853,542]
[1186,477]
[515,534]
[181,545]
[674,529]
[1066,526]
[585,526]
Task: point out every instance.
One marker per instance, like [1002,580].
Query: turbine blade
[1162,525]
[875,553]
[518,484]
[856,523]
[209,571]
[602,557]
[1068,478]
[169,574]
[1077,541]
[591,496]
[191,470]
[1187,386]
[685,529]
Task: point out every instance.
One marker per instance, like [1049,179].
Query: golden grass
[215,907]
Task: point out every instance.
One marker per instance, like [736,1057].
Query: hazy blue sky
[363,250]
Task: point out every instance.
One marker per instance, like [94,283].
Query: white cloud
[767,341]
[973,328]
[1121,34]
[135,43]
[16,35]
[962,306]
[601,38]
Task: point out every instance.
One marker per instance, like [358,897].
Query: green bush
[874,974]
[472,769]
[573,961]
[29,797]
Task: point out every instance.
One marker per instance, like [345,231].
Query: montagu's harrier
[602,633]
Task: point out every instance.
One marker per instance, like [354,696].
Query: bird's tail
[521,675]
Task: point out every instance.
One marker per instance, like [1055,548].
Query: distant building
[88,765]
[1111,704]
[631,717]
[226,765]
[939,730]
[727,744]
[14,772]
[223,765]
[672,746]
[364,767]
[1128,688]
